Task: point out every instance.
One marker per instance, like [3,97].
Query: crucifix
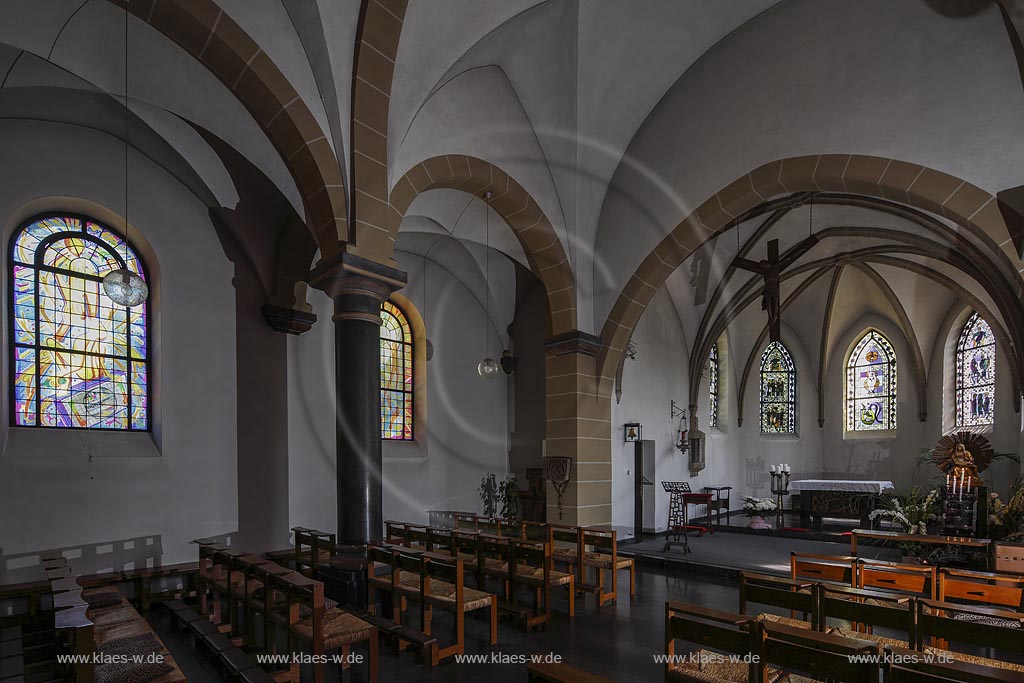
[771,270]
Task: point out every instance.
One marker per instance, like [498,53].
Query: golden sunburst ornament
[976,444]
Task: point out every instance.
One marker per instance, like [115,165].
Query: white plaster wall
[156,496]
[467,433]
[649,384]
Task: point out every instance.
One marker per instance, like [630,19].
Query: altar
[849,498]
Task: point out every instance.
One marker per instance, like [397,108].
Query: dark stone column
[358,288]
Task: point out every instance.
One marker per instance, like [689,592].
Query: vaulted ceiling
[618,119]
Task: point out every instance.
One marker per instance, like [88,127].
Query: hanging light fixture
[123,286]
[488,368]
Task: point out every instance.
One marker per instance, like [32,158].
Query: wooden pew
[823,568]
[820,656]
[971,625]
[865,609]
[909,579]
[604,558]
[719,635]
[776,591]
[907,666]
[982,588]
[307,619]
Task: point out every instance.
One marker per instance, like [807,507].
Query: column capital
[287,319]
[357,285]
[573,341]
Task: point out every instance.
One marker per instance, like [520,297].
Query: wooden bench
[718,635]
[982,588]
[907,666]
[820,656]
[897,537]
[777,591]
[604,558]
[909,579]
[830,568]
[941,622]
[865,609]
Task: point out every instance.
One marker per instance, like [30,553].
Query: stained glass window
[78,359]
[871,385]
[976,374]
[396,395]
[713,386]
[778,391]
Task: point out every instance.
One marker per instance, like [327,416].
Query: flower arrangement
[1006,520]
[912,511]
[758,507]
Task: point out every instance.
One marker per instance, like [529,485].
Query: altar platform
[728,552]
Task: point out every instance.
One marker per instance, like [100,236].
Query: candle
[773,469]
[785,467]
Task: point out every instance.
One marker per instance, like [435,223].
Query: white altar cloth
[839,485]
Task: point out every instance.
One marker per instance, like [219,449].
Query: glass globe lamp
[488,368]
[125,287]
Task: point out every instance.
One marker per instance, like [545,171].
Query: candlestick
[772,469]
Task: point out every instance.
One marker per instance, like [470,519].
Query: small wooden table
[899,537]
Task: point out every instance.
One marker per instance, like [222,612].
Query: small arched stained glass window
[396,386]
[871,385]
[713,386]
[976,374]
[79,360]
[778,390]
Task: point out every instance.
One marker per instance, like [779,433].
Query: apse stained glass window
[778,391]
[976,374]
[713,386]
[78,359]
[395,374]
[871,385]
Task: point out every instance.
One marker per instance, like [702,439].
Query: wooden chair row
[433,581]
[290,606]
[926,581]
[927,623]
[734,648]
[598,549]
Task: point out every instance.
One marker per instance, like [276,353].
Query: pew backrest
[911,579]
[983,588]
[830,568]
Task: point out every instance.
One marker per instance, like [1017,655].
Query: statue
[962,471]
[771,270]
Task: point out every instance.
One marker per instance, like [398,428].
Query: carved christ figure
[771,270]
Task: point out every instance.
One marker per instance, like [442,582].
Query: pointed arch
[871,373]
[777,397]
[975,399]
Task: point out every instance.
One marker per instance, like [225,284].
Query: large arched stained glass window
[871,385]
[396,390]
[713,386]
[778,391]
[976,374]
[78,359]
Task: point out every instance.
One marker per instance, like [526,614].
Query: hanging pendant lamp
[488,368]
[123,286]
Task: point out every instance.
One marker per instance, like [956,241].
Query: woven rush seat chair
[325,628]
[723,639]
[937,626]
[806,656]
[565,545]
[532,567]
[906,666]
[865,610]
[1003,591]
[777,591]
[603,558]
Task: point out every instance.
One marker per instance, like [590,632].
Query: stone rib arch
[514,204]
[205,31]
[920,187]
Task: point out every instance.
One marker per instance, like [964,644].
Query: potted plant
[489,495]
[756,509]
[913,512]
[1006,526]
[508,496]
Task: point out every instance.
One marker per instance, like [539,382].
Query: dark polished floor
[617,641]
